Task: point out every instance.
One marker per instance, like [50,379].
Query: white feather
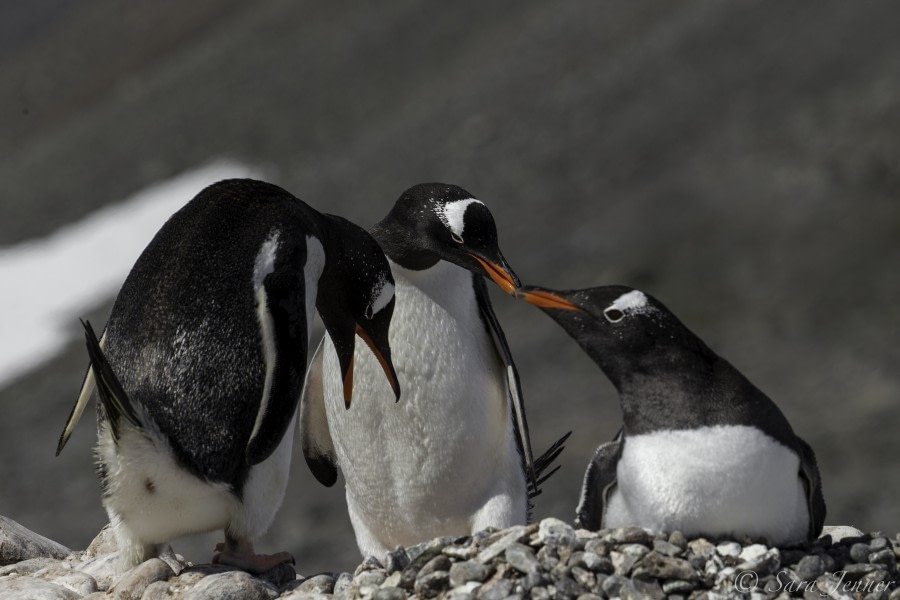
[725,479]
[442,461]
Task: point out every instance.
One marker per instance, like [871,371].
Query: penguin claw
[252,563]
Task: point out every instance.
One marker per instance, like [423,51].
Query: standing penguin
[702,450]
[453,457]
[202,363]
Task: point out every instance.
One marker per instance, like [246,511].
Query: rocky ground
[549,559]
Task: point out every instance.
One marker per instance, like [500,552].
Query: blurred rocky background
[739,160]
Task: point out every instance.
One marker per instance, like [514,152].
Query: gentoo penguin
[203,359]
[453,456]
[702,450]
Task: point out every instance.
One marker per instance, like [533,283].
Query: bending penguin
[203,359]
[461,425]
[702,450]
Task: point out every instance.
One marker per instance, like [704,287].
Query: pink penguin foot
[241,555]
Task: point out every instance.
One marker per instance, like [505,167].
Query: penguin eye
[613,315]
[369,312]
[456,238]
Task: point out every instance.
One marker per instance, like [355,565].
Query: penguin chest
[451,428]
[715,480]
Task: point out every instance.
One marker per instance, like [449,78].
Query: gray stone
[860,552]
[231,585]
[759,559]
[678,586]
[459,552]
[598,564]
[632,535]
[554,531]
[810,567]
[548,557]
[389,593]
[667,548]
[465,571]
[884,557]
[498,547]
[425,551]
[441,562]
[432,584]
[522,558]
[701,547]
[839,533]
[19,587]
[539,593]
[18,543]
[132,584]
[623,562]
[676,538]
[732,549]
[644,589]
[78,581]
[342,583]
[583,577]
[103,543]
[373,578]
[600,547]
[497,589]
[29,566]
[104,569]
[830,586]
[566,587]
[322,583]
[397,560]
[664,567]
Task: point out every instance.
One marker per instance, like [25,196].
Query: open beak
[500,273]
[383,360]
[545,299]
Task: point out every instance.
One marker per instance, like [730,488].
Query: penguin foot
[243,557]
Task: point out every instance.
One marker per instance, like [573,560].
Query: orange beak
[545,299]
[498,274]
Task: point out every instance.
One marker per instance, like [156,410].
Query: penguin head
[623,330]
[439,221]
[356,298]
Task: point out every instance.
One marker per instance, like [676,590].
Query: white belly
[151,499]
[715,481]
[424,466]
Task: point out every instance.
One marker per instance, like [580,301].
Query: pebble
[545,560]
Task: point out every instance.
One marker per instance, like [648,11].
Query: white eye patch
[382,294]
[633,302]
[452,213]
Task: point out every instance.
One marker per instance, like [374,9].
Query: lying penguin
[702,450]
[454,456]
[203,359]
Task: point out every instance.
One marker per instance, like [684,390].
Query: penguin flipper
[87,388]
[318,447]
[281,309]
[523,439]
[599,480]
[116,403]
[812,483]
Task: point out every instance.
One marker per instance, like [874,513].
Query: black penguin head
[356,297]
[623,330]
[438,221]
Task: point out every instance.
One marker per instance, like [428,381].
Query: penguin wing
[116,403]
[87,388]
[512,380]
[281,308]
[599,480]
[812,483]
[318,448]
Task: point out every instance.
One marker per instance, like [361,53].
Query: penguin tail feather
[116,403]
[544,462]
